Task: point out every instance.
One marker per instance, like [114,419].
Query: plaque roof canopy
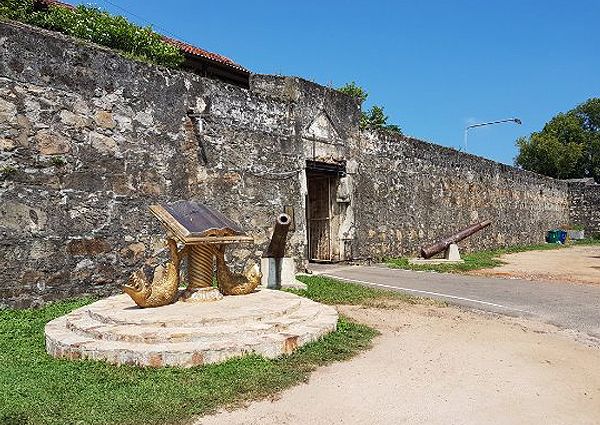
[192,223]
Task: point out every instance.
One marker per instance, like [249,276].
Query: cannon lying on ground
[430,250]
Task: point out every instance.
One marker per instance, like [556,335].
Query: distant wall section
[410,193]
[584,207]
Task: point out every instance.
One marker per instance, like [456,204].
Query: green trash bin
[554,236]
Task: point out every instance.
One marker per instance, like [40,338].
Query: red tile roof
[181,45]
[196,51]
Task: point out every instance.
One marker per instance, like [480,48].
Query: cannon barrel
[277,245]
[430,250]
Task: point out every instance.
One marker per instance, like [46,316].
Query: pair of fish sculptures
[157,286]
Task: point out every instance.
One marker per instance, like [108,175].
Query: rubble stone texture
[90,139]
[584,197]
[268,323]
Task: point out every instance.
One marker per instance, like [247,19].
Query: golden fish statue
[234,283]
[156,287]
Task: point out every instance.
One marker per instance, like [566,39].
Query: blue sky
[436,66]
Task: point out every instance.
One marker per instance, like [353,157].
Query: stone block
[51,143]
[103,144]
[7,145]
[104,119]
[452,253]
[74,120]
[89,247]
[268,268]
[8,111]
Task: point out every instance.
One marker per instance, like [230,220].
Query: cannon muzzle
[430,250]
[276,247]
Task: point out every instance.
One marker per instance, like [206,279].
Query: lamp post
[467,128]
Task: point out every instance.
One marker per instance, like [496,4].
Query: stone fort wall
[412,193]
[88,140]
[584,203]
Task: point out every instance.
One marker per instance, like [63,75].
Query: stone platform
[266,322]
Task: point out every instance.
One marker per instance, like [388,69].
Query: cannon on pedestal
[279,270]
[276,247]
[271,263]
[430,250]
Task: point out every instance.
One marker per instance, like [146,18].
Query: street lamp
[467,128]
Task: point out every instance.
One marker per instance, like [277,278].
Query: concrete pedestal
[576,235]
[452,253]
[268,268]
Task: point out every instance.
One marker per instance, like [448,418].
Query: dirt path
[444,366]
[579,264]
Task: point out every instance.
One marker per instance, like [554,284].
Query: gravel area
[435,365]
[578,264]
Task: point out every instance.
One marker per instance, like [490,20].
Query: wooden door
[319,218]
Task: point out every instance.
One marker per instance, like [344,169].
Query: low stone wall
[585,205]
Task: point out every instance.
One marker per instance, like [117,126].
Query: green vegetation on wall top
[92,24]
[374,118]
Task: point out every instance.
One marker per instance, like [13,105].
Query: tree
[567,147]
[355,91]
[374,118]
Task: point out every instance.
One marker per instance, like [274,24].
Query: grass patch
[37,389]
[589,241]
[330,291]
[473,261]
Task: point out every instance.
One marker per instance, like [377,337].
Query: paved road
[569,306]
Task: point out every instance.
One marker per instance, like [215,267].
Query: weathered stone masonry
[89,140]
[414,192]
[124,133]
[584,201]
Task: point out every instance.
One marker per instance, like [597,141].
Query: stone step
[163,342]
[186,314]
[85,324]
[65,343]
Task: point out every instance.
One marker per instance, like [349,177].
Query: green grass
[589,241]
[330,291]
[480,259]
[38,389]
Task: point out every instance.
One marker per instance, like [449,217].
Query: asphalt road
[568,306]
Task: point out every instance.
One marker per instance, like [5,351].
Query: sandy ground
[579,264]
[434,365]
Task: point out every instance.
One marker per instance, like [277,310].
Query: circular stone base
[266,322]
